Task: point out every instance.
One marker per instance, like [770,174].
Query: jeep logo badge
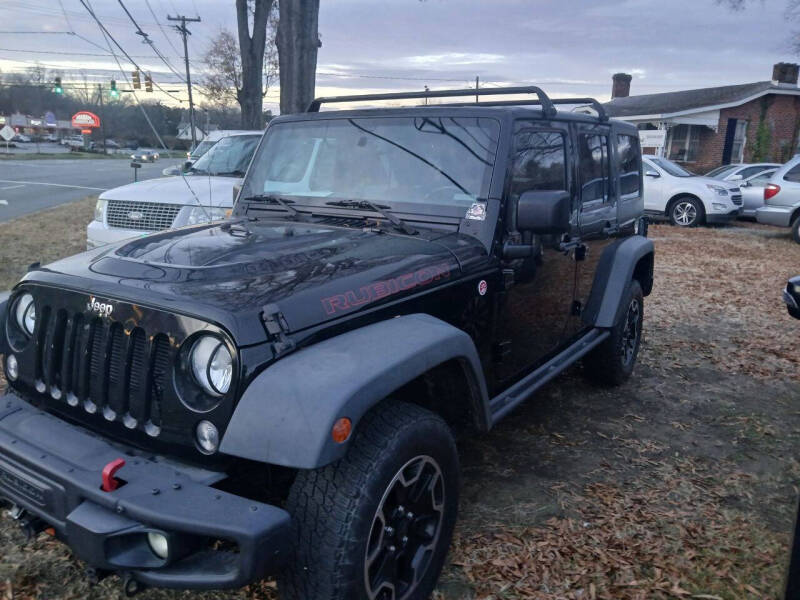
[135,215]
[104,309]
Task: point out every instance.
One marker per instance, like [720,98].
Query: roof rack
[601,112]
[544,100]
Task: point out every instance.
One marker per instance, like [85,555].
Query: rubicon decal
[382,289]
[104,309]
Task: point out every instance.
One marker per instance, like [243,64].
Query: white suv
[685,198]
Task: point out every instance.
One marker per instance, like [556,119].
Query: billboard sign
[85,120]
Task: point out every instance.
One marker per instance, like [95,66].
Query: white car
[205,193]
[740,172]
[687,199]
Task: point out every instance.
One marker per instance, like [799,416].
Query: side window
[793,174]
[593,172]
[538,164]
[750,171]
[629,159]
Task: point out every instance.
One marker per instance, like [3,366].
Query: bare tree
[223,64]
[251,48]
[298,42]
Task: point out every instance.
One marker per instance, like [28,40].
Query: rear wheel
[796,229]
[686,212]
[612,362]
[377,524]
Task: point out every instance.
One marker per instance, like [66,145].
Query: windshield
[442,162]
[229,156]
[202,148]
[671,167]
[720,172]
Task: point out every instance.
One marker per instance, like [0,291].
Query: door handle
[610,229]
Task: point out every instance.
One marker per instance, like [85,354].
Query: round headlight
[158,544]
[25,313]
[207,437]
[212,365]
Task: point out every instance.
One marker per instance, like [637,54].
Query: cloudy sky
[571,47]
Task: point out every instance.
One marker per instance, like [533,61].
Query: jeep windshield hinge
[277,328]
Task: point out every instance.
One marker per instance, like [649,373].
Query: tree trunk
[298,42]
[251,47]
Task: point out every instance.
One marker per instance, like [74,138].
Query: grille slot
[736,199]
[142,216]
[98,367]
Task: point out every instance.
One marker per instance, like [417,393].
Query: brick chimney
[785,73]
[621,85]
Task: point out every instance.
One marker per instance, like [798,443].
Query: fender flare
[615,269]
[4,296]
[286,414]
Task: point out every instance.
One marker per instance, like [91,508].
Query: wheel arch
[286,414]
[626,259]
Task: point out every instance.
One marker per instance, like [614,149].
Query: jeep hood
[229,272]
[208,190]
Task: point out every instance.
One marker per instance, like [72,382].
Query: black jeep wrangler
[280,392]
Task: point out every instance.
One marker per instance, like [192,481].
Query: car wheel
[612,362]
[376,524]
[796,230]
[686,212]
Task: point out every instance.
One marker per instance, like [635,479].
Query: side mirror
[652,173]
[735,178]
[544,212]
[171,171]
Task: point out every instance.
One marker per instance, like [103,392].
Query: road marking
[78,187]
[11,187]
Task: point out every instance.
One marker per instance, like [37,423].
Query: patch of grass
[44,237]
[58,155]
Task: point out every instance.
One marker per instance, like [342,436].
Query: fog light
[158,544]
[718,206]
[12,367]
[207,437]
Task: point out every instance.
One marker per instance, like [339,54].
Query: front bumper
[98,234]
[723,217]
[780,216]
[52,470]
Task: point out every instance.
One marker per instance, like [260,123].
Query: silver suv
[782,199]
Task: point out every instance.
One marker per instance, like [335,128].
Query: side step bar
[505,402]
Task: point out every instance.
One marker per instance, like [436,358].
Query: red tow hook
[110,483]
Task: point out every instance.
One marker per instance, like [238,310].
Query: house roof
[669,103]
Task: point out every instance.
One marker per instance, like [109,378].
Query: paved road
[27,186]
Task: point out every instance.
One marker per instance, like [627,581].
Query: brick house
[708,127]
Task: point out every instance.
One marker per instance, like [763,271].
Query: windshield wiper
[270,199]
[378,208]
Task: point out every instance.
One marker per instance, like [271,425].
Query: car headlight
[718,189]
[212,365]
[100,210]
[201,214]
[25,313]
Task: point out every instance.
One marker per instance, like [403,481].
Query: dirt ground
[680,484]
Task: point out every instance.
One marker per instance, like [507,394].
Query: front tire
[377,524]
[796,230]
[686,212]
[612,362]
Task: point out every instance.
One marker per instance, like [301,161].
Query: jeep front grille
[142,216]
[96,366]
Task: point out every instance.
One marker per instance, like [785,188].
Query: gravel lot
[680,484]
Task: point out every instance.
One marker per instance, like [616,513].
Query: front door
[535,307]
[653,188]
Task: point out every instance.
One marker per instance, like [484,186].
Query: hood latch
[277,328]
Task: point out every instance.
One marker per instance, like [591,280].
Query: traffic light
[57,86]
[137,83]
[148,82]
[113,91]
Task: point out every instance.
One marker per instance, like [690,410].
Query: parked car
[752,190]
[204,146]
[73,141]
[687,199]
[21,138]
[204,193]
[741,171]
[145,156]
[281,392]
[52,138]
[782,199]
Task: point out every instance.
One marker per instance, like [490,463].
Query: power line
[161,27]
[184,31]
[148,41]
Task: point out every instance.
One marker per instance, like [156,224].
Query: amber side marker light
[341,430]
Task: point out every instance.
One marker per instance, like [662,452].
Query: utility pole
[102,116]
[477,85]
[185,32]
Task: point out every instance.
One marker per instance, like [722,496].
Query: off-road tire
[796,230]
[608,363]
[678,211]
[334,508]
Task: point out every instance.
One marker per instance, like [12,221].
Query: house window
[739,140]
[684,142]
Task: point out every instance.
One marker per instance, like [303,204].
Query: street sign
[7,133]
[652,138]
[85,120]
